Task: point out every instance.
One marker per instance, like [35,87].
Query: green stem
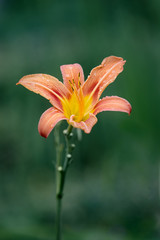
[58,223]
[61,169]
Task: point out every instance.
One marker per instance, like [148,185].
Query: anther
[71,85]
[79,82]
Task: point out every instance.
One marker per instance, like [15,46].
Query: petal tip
[124,61]
[130,110]
[43,135]
[19,82]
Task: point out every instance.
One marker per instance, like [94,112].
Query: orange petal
[47,86]
[113,103]
[72,75]
[87,125]
[101,76]
[48,120]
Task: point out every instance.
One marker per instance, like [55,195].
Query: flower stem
[61,169]
[58,223]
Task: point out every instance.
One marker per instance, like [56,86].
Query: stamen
[79,82]
[73,82]
[74,85]
[71,85]
[70,82]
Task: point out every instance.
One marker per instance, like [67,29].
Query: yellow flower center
[77,105]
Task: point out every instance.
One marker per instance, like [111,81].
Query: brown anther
[73,81]
[71,85]
[70,82]
[79,82]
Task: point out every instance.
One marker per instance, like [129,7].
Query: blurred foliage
[112,186]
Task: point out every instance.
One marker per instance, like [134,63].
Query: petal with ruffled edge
[87,125]
[47,86]
[113,103]
[72,75]
[101,76]
[48,120]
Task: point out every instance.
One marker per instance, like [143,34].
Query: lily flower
[76,100]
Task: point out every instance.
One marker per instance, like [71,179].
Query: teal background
[112,188]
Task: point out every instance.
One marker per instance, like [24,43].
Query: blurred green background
[112,188]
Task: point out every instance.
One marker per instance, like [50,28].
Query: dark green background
[112,188]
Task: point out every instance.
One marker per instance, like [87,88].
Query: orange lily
[77,101]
